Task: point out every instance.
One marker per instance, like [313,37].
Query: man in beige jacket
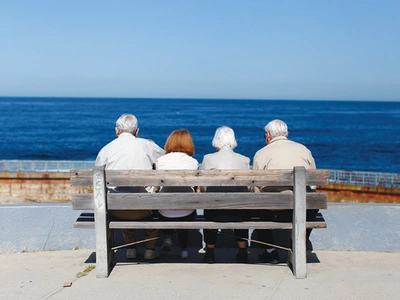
[279,153]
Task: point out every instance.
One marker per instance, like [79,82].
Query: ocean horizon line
[198,98]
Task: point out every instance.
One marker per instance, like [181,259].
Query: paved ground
[331,275]
[13,200]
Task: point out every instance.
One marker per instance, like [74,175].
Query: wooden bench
[102,202]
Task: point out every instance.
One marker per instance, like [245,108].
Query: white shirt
[225,159]
[128,152]
[176,161]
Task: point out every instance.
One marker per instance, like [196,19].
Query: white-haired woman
[225,158]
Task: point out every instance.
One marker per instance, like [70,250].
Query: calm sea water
[354,136]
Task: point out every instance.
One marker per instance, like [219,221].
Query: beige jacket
[282,153]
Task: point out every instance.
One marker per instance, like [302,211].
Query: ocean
[342,135]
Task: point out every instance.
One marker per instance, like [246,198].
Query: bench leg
[299,255]
[102,254]
[111,253]
[101,226]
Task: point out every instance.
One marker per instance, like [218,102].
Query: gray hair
[277,128]
[224,136]
[127,123]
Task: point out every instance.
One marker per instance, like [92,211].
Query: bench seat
[86,220]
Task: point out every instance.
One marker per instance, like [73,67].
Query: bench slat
[200,201]
[199,177]
[86,220]
[208,225]
[212,201]
[82,201]
[81,177]
[231,225]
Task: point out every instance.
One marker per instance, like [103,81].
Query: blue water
[354,136]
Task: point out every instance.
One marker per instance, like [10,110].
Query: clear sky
[334,50]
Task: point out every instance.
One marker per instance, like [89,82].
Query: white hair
[277,128]
[224,136]
[127,123]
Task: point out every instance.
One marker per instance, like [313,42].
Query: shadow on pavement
[225,251]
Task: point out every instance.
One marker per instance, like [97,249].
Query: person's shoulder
[194,160]
[142,140]
[110,143]
[147,142]
[162,157]
[185,156]
[209,155]
[263,149]
[185,159]
[300,145]
[241,156]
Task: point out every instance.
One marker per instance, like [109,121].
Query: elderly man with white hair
[128,152]
[225,158]
[279,153]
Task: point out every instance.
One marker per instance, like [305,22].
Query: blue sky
[333,50]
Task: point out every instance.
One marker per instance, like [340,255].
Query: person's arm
[247,163]
[312,161]
[255,163]
[256,189]
[153,150]
[204,163]
[100,159]
[203,189]
[312,188]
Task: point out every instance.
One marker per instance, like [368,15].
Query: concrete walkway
[331,275]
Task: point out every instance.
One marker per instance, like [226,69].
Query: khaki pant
[130,234]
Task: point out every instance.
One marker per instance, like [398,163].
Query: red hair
[180,141]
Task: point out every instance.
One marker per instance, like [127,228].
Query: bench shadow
[225,251]
[282,238]
[91,259]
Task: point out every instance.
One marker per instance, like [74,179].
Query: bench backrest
[101,179]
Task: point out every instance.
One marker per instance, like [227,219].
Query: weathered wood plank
[211,178]
[100,212]
[299,254]
[212,201]
[82,202]
[86,220]
[89,224]
[187,201]
[199,177]
[81,177]
[208,225]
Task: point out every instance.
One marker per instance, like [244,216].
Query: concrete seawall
[360,193]
[351,226]
[40,187]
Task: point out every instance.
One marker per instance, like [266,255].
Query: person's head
[127,123]
[180,141]
[224,136]
[275,128]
